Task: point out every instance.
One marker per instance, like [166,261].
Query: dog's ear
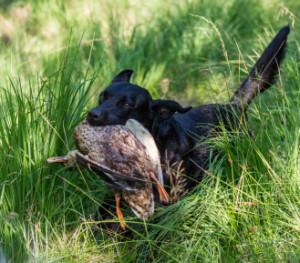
[123,76]
[164,109]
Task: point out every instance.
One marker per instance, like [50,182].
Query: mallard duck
[126,157]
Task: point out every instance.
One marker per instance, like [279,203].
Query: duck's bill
[57,159]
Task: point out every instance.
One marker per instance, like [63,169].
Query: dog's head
[122,101]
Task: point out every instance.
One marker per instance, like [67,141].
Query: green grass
[55,58]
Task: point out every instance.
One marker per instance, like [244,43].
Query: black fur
[177,130]
[264,72]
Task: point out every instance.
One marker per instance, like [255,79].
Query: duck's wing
[145,137]
[109,176]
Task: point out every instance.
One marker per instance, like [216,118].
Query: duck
[126,158]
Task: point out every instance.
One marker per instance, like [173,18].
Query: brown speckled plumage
[117,148]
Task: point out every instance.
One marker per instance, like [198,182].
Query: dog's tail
[264,72]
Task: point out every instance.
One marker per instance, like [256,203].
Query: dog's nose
[95,115]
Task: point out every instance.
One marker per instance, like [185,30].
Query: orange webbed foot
[119,212]
[163,195]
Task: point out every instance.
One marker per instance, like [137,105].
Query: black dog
[173,127]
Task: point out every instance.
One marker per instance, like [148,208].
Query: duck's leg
[119,212]
[163,195]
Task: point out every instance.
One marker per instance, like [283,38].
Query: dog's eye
[127,105]
[102,97]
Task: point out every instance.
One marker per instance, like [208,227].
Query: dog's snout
[95,116]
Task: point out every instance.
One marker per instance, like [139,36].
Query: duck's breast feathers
[141,202]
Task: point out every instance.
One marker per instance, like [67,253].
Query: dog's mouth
[94,122]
